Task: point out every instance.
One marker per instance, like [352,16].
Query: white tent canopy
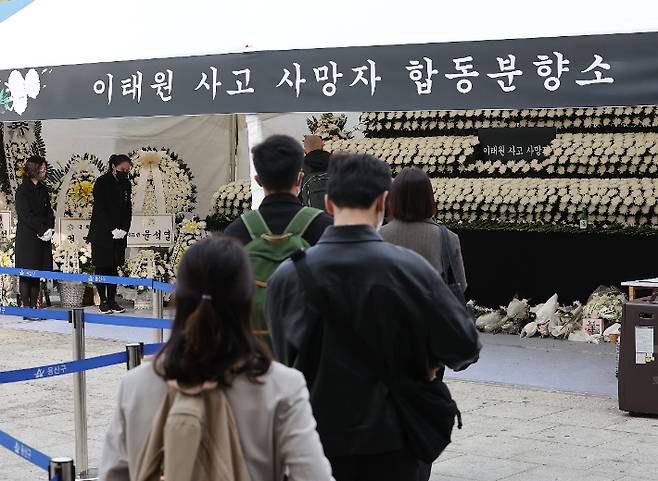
[66,32]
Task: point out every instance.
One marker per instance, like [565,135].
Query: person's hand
[433,373]
[118,234]
[47,236]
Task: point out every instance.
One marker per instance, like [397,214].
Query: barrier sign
[151,231]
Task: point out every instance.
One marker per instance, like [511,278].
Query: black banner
[520,143]
[597,70]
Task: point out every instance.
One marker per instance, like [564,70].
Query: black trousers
[393,466]
[29,291]
[107,292]
[424,471]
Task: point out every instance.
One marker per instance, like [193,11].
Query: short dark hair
[356,180]
[412,197]
[211,337]
[117,159]
[278,161]
[32,166]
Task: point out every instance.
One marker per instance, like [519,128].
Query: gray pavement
[510,432]
[546,364]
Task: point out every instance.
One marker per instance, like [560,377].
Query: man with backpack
[365,322]
[316,164]
[281,225]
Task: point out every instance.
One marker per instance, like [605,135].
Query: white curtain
[204,143]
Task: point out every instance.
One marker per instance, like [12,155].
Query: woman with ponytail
[211,344]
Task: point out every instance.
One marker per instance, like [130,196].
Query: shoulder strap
[446,258]
[255,224]
[302,220]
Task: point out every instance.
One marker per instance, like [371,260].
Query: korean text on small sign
[75,230]
[151,231]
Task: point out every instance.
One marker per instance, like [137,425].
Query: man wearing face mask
[361,319]
[110,223]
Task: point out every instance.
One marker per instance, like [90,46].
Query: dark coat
[316,161]
[383,299]
[112,210]
[35,217]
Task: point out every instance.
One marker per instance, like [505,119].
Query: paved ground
[546,364]
[511,433]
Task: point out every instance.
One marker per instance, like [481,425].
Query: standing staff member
[35,229]
[110,223]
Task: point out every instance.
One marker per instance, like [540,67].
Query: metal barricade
[61,469]
[64,469]
[80,392]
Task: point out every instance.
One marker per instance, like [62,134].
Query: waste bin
[638,368]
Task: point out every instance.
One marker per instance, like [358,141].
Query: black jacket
[35,217]
[112,210]
[278,210]
[387,306]
[316,161]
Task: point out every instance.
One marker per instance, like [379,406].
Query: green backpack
[267,251]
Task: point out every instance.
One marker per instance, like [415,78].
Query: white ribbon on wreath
[12,135]
[81,166]
[149,162]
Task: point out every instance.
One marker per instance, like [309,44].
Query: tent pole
[255,136]
[234,129]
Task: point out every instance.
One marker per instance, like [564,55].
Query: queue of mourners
[308,344]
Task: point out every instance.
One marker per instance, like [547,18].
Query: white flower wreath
[160,177]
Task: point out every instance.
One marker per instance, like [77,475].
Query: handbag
[425,409]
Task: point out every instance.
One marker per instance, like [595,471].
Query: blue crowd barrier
[62,368]
[163,286]
[26,452]
[150,349]
[90,318]
[97,279]
[52,314]
[127,321]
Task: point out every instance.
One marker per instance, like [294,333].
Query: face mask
[122,175]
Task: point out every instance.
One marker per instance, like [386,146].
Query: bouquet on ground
[72,257]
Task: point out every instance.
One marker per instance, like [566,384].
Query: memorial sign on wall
[520,143]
